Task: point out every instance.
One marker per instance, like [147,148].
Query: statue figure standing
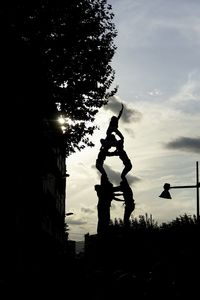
[113,125]
[128,199]
[105,196]
[124,157]
[103,153]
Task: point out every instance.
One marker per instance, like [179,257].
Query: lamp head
[166,194]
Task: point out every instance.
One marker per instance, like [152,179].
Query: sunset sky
[157,65]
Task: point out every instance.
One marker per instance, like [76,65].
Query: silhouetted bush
[147,259]
[145,222]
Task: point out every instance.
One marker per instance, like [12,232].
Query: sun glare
[61,120]
[65,123]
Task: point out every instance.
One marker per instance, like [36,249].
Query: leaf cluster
[74,44]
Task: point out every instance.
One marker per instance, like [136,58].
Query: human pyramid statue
[106,192]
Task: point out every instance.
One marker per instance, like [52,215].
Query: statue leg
[126,169]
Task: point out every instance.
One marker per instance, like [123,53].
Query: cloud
[186,99]
[115,177]
[129,114]
[76,221]
[87,210]
[130,132]
[185,144]
[190,90]
[154,92]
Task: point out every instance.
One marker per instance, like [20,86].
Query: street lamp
[167,187]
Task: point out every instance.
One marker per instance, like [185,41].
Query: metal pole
[197,178]
[182,186]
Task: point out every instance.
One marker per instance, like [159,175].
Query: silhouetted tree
[72,43]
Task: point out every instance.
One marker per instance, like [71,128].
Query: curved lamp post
[167,187]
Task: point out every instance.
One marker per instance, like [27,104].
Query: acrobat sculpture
[106,192]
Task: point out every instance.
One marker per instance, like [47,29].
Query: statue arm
[117,188]
[118,199]
[118,194]
[119,134]
[114,153]
[120,113]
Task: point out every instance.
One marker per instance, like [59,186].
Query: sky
[157,71]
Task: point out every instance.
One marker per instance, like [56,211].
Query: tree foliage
[73,42]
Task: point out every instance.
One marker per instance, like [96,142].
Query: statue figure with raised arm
[113,125]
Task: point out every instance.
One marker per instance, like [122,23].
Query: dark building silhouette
[40,214]
[33,238]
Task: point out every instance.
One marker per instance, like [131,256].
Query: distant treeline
[147,222]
